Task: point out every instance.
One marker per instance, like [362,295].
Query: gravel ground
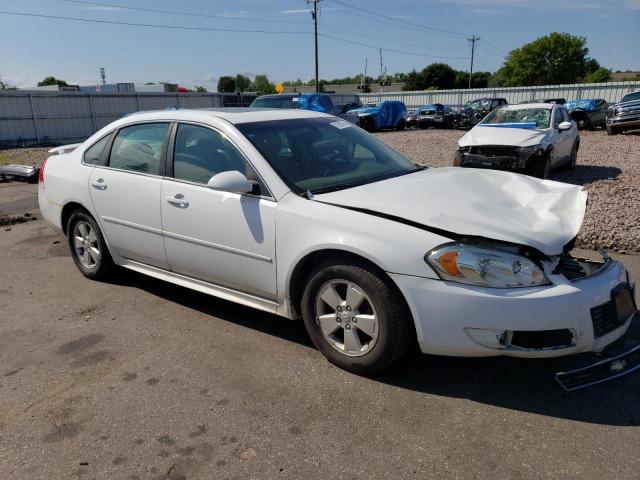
[23,156]
[608,167]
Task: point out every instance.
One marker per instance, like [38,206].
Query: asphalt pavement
[140,379]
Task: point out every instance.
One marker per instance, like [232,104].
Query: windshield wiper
[331,188]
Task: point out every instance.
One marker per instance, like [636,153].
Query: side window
[557,117]
[565,115]
[139,148]
[93,154]
[200,153]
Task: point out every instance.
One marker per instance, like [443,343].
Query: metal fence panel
[611,92]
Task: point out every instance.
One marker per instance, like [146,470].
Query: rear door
[126,192]
[223,238]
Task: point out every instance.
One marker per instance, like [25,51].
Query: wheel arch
[306,264]
[68,210]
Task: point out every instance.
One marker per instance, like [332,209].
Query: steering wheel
[337,163]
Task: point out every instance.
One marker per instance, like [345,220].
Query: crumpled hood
[365,110]
[496,205]
[518,137]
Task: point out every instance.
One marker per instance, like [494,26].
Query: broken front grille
[495,151]
[571,268]
[605,319]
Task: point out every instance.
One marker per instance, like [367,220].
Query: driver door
[223,238]
[562,139]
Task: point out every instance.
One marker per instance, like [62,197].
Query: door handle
[177,201]
[99,184]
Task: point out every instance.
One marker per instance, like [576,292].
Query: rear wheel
[355,317]
[87,245]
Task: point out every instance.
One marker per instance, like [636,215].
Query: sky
[225,37]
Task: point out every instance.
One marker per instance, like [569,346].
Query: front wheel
[355,317]
[612,130]
[87,245]
[401,125]
[573,159]
[541,166]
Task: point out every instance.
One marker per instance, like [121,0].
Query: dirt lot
[609,168]
[138,379]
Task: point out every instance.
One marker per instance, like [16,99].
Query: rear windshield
[536,117]
[324,154]
[276,102]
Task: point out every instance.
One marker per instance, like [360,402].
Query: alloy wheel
[86,245]
[346,317]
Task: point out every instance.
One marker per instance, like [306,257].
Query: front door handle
[177,201]
[99,184]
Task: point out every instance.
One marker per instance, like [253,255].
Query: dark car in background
[477,109]
[388,114]
[588,113]
[557,101]
[411,120]
[624,115]
[317,102]
[437,115]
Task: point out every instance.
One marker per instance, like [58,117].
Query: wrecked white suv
[531,138]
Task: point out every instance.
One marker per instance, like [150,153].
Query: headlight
[484,267]
[532,150]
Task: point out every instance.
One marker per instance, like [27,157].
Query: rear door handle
[99,184]
[177,201]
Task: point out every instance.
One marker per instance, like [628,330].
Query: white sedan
[532,138]
[302,214]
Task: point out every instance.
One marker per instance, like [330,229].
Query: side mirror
[231,181]
[564,126]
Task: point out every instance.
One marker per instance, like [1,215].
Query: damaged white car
[532,138]
[302,214]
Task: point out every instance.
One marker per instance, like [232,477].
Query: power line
[496,49]
[153,25]
[404,23]
[214,29]
[184,14]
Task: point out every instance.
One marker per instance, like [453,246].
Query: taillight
[41,173]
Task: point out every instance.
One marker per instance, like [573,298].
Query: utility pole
[314,15]
[473,41]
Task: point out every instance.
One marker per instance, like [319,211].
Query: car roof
[234,115]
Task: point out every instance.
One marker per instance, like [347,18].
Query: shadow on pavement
[515,384]
[584,174]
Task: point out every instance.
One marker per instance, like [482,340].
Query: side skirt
[243,298]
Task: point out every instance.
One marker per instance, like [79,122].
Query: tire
[401,125]
[541,166]
[584,124]
[331,326]
[88,248]
[573,158]
[612,131]
[457,157]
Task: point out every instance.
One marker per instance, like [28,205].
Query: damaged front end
[498,157]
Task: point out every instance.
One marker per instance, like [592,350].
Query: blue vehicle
[382,115]
[317,102]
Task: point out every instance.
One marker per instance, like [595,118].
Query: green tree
[597,76]
[51,81]
[439,75]
[556,58]
[226,84]
[262,84]
[199,89]
[3,85]
[413,81]
[242,83]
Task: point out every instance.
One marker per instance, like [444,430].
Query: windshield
[631,96]
[324,154]
[480,104]
[541,117]
[276,102]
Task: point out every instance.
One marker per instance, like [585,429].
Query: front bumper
[498,162]
[624,121]
[463,320]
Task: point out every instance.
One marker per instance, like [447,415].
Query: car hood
[517,137]
[365,110]
[496,205]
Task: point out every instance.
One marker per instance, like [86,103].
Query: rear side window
[93,154]
[139,148]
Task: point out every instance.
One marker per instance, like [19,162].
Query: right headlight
[485,267]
